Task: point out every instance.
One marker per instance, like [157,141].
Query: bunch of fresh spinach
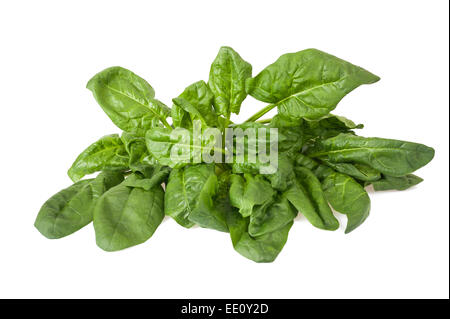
[322,162]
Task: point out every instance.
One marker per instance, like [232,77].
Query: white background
[50,49]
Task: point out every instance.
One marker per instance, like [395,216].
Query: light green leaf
[108,153]
[195,103]
[127,99]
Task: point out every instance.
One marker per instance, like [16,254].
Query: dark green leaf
[359,171]
[271,216]
[309,83]
[263,248]
[126,216]
[398,183]
[183,190]
[205,213]
[227,81]
[390,157]
[347,197]
[157,176]
[71,209]
[308,198]
[245,194]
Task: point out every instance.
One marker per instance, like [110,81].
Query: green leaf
[126,216]
[305,161]
[279,121]
[205,213]
[347,197]
[245,194]
[271,216]
[127,99]
[108,153]
[139,158]
[390,157]
[227,81]
[284,176]
[359,171]
[328,126]
[183,190]
[260,249]
[398,183]
[157,176]
[309,83]
[176,148]
[71,209]
[195,103]
[308,198]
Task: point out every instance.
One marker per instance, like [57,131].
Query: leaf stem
[264,121]
[164,121]
[260,113]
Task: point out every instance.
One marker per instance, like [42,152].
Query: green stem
[260,113]
[164,121]
[265,121]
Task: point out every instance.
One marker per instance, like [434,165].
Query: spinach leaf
[71,209]
[307,84]
[390,157]
[126,216]
[105,154]
[347,197]
[359,171]
[255,190]
[308,198]
[227,81]
[155,176]
[284,176]
[271,216]
[261,249]
[183,190]
[161,141]
[252,195]
[195,103]
[398,183]
[328,126]
[205,213]
[305,161]
[127,99]
[139,157]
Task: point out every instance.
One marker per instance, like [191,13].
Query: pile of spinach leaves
[323,164]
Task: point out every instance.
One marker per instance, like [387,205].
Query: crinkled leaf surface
[71,209]
[227,81]
[127,99]
[107,153]
[183,190]
[126,216]
[390,157]
[347,197]
[308,83]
